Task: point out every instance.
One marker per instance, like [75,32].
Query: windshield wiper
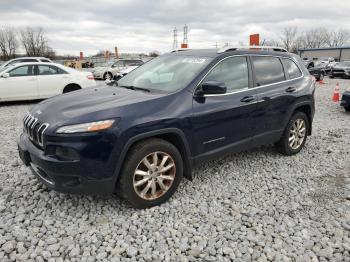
[136,88]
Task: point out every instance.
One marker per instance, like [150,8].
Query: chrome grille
[34,129]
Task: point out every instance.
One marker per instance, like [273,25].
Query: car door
[276,93]
[221,121]
[21,84]
[51,80]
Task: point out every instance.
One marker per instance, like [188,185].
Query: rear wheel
[321,76]
[347,108]
[295,134]
[71,88]
[151,174]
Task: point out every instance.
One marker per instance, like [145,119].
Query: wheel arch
[305,108]
[71,85]
[171,135]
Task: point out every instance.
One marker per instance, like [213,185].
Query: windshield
[344,64]
[165,73]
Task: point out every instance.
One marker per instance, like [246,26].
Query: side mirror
[5,75]
[211,88]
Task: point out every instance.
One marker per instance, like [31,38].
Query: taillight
[90,77]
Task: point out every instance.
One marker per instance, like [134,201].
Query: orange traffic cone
[336,95]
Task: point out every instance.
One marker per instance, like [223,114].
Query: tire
[71,88]
[331,76]
[347,108]
[284,145]
[132,184]
[107,75]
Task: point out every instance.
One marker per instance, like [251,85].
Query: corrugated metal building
[339,53]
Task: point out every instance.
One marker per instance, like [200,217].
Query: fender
[299,104]
[188,161]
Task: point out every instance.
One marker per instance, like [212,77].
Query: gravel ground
[256,205]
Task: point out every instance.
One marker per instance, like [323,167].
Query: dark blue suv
[139,137]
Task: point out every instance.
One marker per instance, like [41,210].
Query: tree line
[292,39]
[32,40]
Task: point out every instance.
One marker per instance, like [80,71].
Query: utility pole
[175,38]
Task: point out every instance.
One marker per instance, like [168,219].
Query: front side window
[292,69]
[233,72]
[268,70]
[45,61]
[166,74]
[27,70]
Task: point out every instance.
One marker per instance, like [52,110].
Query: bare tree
[35,42]
[339,37]
[315,38]
[288,38]
[270,42]
[8,42]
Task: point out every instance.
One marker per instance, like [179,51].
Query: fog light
[66,153]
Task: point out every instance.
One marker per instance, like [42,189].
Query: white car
[113,68]
[28,81]
[25,60]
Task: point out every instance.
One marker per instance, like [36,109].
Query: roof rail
[179,50]
[268,48]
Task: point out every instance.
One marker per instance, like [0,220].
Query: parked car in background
[318,70]
[308,63]
[113,68]
[345,100]
[38,80]
[341,69]
[141,137]
[25,60]
[124,72]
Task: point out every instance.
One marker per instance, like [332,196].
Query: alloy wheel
[154,175]
[297,133]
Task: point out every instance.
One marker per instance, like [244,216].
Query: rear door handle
[248,99]
[291,89]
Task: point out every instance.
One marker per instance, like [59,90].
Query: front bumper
[66,176]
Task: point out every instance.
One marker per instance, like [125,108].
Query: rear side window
[49,70]
[233,72]
[45,60]
[268,70]
[292,69]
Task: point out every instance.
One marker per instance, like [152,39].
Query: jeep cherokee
[139,137]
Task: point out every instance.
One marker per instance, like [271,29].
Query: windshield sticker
[194,60]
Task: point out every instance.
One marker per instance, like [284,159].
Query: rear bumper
[62,176]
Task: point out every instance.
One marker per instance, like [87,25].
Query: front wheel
[151,174]
[295,134]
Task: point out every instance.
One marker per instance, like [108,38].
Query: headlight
[85,127]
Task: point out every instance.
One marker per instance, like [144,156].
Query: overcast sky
[143,26]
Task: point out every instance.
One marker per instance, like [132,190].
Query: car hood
[101,68]
[90,104]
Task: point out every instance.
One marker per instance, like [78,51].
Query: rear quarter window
[291,68]
[268,70]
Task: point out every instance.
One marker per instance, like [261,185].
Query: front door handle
[291,89]
[248,99]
